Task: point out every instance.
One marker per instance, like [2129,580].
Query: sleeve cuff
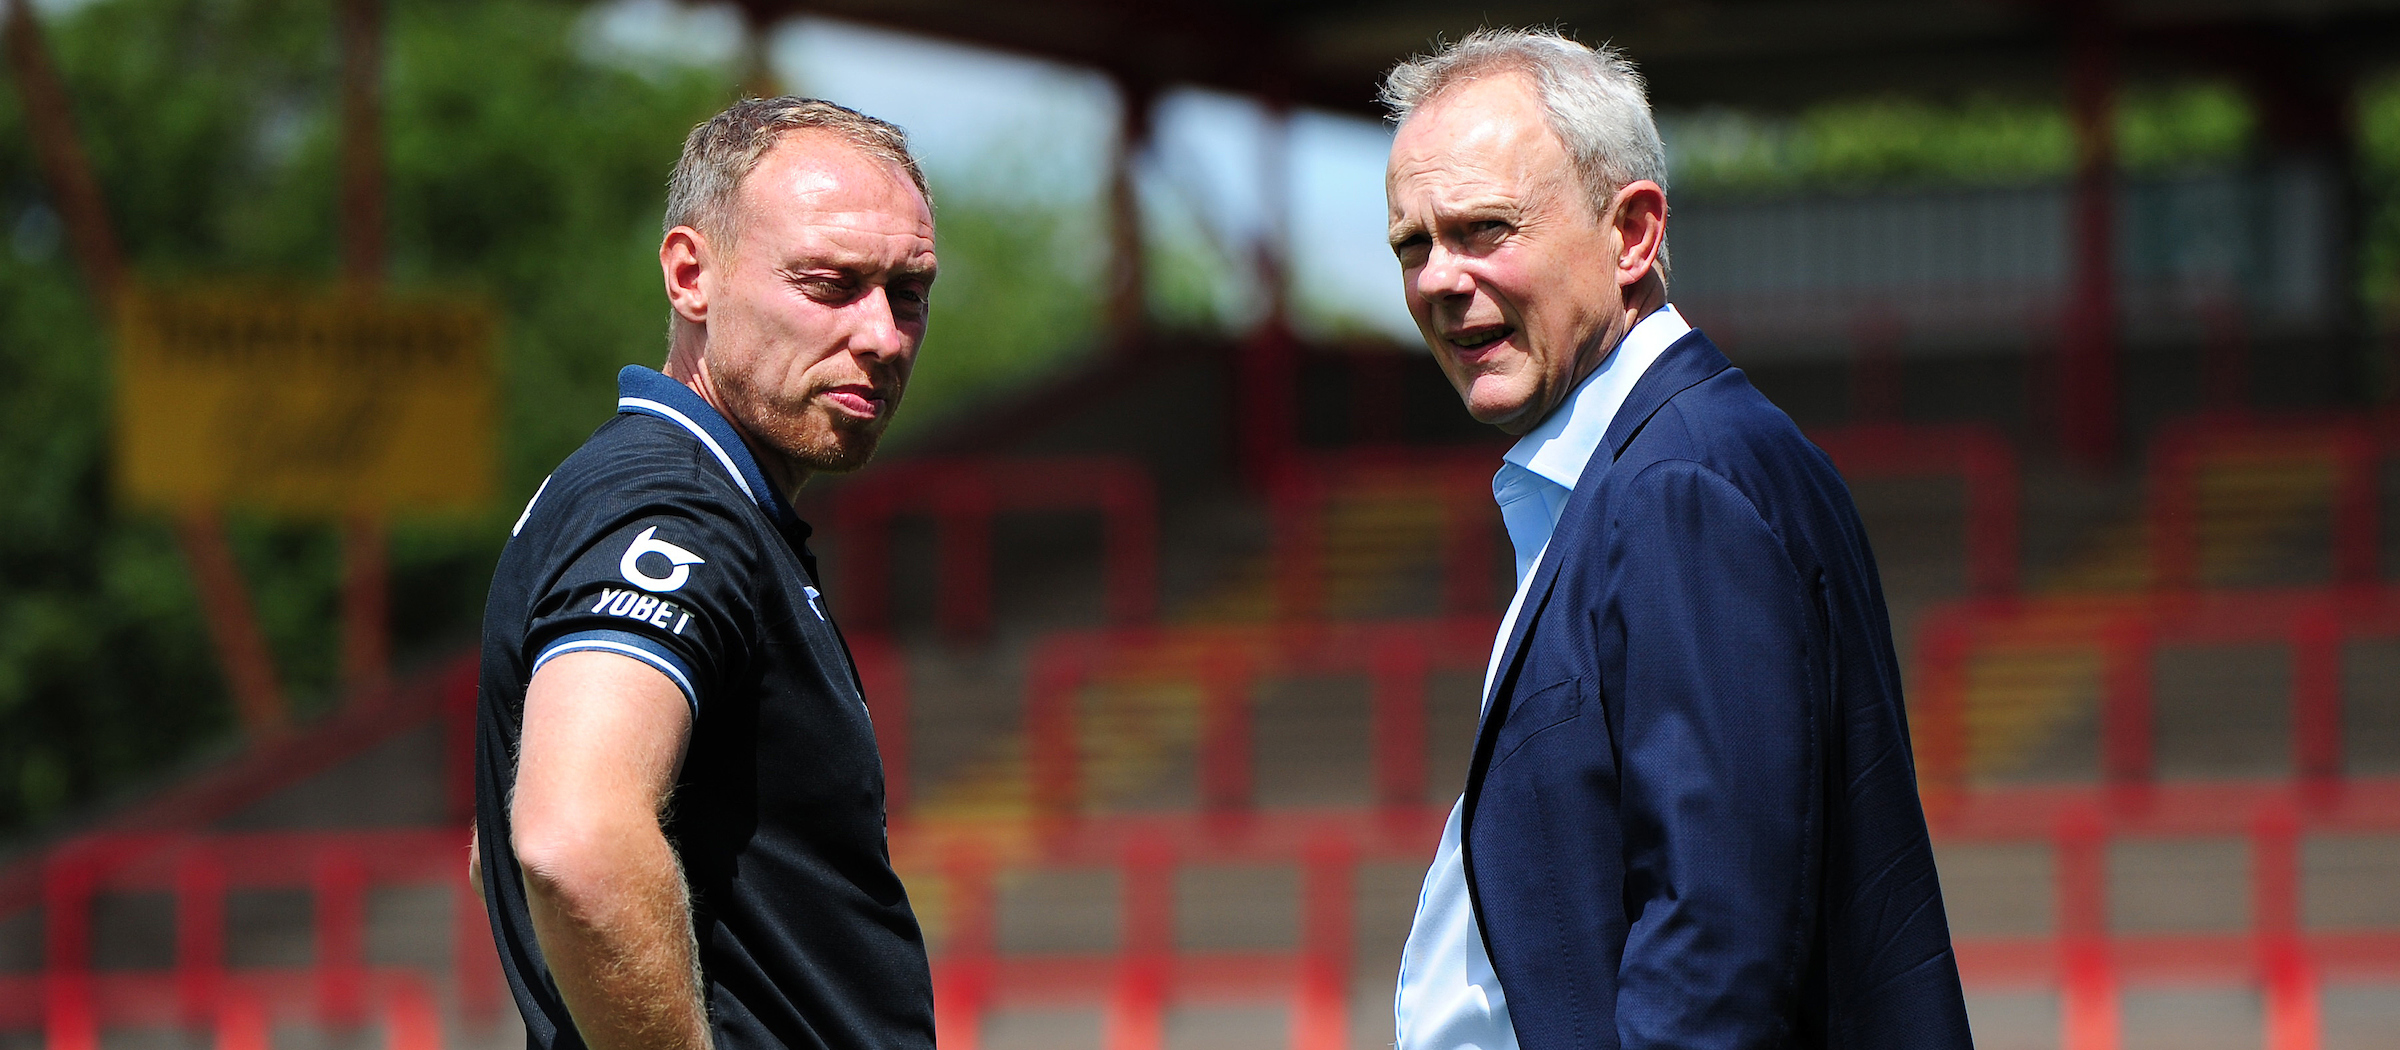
[630,645]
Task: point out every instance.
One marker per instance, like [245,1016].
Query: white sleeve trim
[573,645]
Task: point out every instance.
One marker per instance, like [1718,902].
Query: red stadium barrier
[2352,443]
[1146,975]
[1228,662]
[1976,454]
[1135,985]
[1459,479]
[72,1001]
[2090,965]
[963,495]
[1139,981]
[273,764]
[2314,622]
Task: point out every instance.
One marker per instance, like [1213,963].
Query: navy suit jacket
[1692,817]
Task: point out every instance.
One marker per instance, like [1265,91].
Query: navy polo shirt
[661,541]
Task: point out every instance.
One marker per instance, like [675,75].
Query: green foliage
[2197,124]
[104,670]
[524,174]
[1897,142]
[2378,168]
[1900,141]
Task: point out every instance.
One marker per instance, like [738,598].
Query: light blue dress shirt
[1449,998]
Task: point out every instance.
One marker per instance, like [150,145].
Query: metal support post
[1267,365]
[1128,265]
[2088,411]
[225,602]
[366,576]
[65,167]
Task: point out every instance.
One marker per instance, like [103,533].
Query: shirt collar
[1558,449]
[644,391]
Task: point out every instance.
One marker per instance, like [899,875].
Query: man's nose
[878,332]
[1443,276]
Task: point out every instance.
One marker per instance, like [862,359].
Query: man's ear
[682,258]
[1640,217]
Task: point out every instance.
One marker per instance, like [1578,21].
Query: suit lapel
[1682,366]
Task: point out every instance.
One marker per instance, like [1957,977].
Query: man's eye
[1486,231]
[1412,251]
[826,289]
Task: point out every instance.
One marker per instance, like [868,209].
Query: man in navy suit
[1691,820]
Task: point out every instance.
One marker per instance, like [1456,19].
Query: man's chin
[839,449]
[839,457]
[1512,412]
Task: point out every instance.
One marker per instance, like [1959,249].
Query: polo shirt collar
[645,391]
[1558,449]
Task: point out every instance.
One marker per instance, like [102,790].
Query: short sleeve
[669,587]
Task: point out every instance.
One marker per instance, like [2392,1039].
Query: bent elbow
[564,858]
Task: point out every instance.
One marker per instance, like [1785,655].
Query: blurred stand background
[1174,582]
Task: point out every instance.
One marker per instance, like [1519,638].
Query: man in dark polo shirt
[678,796]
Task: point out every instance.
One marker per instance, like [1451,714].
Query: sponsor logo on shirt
[648,542]
[634,605]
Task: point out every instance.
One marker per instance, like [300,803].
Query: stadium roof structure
[1767,54]
[2299,61]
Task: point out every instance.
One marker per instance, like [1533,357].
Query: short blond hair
[722,152]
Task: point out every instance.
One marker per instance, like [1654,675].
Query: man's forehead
[1485,142]
[820,173]
[1499,115]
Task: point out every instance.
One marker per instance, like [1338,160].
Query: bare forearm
[616,930]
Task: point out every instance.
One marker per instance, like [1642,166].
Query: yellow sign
[315,403]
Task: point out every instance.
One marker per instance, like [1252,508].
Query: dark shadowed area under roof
[1769,54]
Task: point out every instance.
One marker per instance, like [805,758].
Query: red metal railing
[2128,630]
[1144,976]
[1137,982]
[1987,463]
[1460,480]
[1228,663]
[2352,444]
[445,694]
[1976,454]
[71,1001]
[2091,966]
[2082,957]
[963,495]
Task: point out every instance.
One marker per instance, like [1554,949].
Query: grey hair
[1592,97]
[722,152]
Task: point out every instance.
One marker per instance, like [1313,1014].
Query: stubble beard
[808,434]
[822,441]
